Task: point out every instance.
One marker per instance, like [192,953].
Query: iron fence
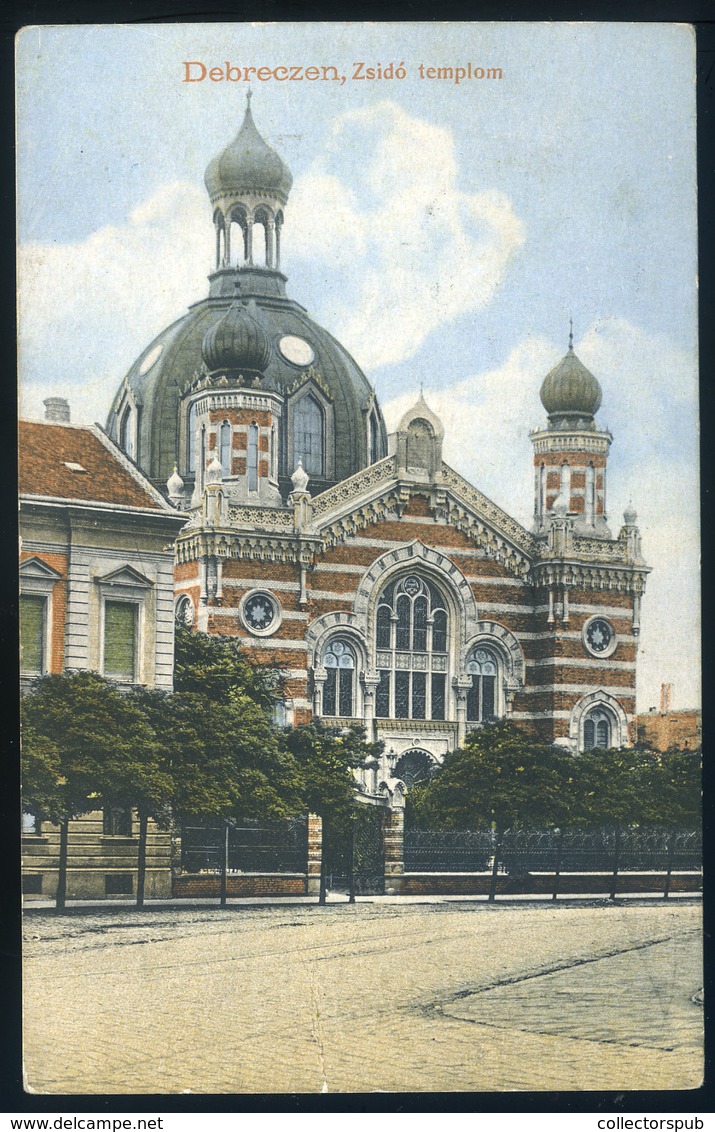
[253,847]
[570,850]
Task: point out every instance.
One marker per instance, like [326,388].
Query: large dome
[298,346]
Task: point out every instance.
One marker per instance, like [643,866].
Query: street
[366,997]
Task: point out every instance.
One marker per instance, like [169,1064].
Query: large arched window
[253,458]
[482,704]
[411,636]
[597,729]
[191,439]
[225,448]
[339,688]
[308,435]
[127,431]
[374,438]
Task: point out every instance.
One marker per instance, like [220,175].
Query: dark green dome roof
[570,390]
[248,165]
[164,371]
[236,342]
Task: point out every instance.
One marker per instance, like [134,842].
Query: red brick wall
[245,884]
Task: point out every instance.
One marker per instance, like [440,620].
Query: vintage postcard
[359,576]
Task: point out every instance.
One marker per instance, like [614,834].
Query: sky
[444,231]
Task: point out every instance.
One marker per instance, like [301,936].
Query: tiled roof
[51,456]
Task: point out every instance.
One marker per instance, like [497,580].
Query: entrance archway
[414,766]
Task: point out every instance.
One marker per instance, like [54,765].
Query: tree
[326,758]
[215,668]
[501,777]
[84,744]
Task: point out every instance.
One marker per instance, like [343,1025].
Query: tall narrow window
[191,439]
[253,458]
[596,730]
[542,491]
[411,632]
[339,687]
[274,454]
[33,614]
[126,431]
[120,639]
[590,493]
[374,438]
[225,448]
[482,696]
[308,435]
[117,821]
[565,485]
[202,458]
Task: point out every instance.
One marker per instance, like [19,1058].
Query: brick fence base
[477,884]
[242,884]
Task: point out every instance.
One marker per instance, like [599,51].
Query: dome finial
[249,96]
[571,335]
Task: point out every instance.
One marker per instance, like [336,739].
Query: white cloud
[87,309]
[650,405]
[408,250]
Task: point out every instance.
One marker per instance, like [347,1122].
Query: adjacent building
[96,592]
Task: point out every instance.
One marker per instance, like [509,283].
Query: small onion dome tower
[237,345]
[571,453]
[248,184]
[234,420]
[417,441]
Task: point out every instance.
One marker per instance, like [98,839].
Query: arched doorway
[413,767]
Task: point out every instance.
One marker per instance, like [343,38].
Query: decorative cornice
[310,374]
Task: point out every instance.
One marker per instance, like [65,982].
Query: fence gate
[355,851]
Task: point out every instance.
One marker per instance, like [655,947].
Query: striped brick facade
[529,599]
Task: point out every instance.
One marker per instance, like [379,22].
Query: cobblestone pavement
[366,997]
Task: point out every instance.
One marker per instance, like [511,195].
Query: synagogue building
[390,591]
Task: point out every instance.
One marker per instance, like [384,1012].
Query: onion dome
[175,486]
[237,342]
[214,472]
[570,390]
[630,516]
[248,165]
[300,478]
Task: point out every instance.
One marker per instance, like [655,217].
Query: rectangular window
[33,613]
[120,639]
[117,821]
[382,696]
[32,884]
[253,458]
[488,689]
[346,691]
[402,695]
[330,692]
[419,695]
[438,698]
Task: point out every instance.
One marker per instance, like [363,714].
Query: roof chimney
[56,409]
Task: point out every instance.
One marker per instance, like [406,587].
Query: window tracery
[411,637]
[339,688]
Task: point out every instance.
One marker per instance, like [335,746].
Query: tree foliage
[325,758]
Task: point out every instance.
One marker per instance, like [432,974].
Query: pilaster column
[320,675]
[370,683]
[462,684]
[315,852]
[393,841]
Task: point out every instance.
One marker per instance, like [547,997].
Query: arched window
[597,729]
[253,458]
[482,696]
[274,454]
[202,457]
[339,688]
[374,438]
[419,444]
[191,439]
[225,448]
[308,435]
[565,485]
[126,431]
[411,635]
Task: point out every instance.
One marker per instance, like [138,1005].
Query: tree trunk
[671,861]
[61,897]
[616,863]
[141,858]
[224,866]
